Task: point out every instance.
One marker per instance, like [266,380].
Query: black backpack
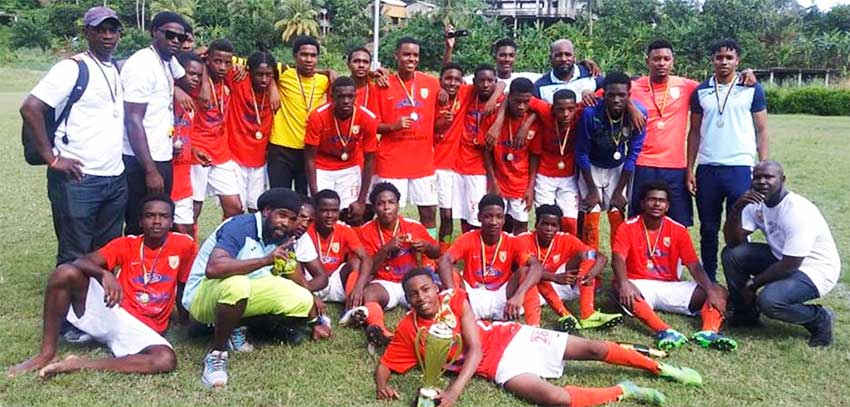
[31,154]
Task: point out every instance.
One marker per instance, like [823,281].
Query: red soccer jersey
[408,153]
[325,132]
[499,259]
[664,146]
[510,163]
[470,159]
[334,250]
[182,163]
[672,243]
[373,237]
[153,301]
[242,124]
[208,132]
[547,145]
[563,247]
[448,142]
[400,355]
[367,97]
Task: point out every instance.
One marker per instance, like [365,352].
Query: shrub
[814,100]
[132,40]
[31,30]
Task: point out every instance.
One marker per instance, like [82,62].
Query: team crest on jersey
[666,241]
[355,129]
[173,261]
[531,134]
[335,247]
[424,93]
[556,257]
[674,92]
[503,255]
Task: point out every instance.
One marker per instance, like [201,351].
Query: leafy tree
[210,13]
[186,8]
[31,31]
[298,18]
[251,26]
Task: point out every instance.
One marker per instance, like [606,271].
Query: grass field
[773,366]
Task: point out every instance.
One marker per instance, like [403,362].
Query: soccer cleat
[354,317]
[601,320]
[684,375]
[238,341]
[714,340]
[76,335]
[376,339]
[670,339]
[215,370]
[568,323]
[647,395]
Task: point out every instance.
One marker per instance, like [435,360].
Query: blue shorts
[681,208]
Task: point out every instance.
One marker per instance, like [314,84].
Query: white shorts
[561,191]
[184,211]
[534,351]
[222,180]
[449,191]
[488,304]
[335,290]
[419,191]
[395,293]
[472,189]
[606,182]
[669,296]
[565,292]
[345,182]
[515,208]
[253,181]
[114,327]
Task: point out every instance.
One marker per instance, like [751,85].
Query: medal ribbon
[330,244]
[611,122]
[651,249]
[381,230]
[345,141]
[484,268]
[304,94]
[261,107]
[146,275]
[562,144]
[548,249]
[722,107]
[410,95]
[663,102]
[218,101]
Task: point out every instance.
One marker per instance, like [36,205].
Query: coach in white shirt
[85,177]
[799,262]
[148,78]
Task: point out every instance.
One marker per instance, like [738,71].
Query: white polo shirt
[95,125]
[532,76]
[795,227]
[150,80]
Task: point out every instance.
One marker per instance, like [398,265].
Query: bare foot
[32,364]
[69,364]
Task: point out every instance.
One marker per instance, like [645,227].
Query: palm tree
[186,8]
[299,18]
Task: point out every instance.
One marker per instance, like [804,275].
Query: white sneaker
[215,370]
[76,335]
[355,317]
[238,341]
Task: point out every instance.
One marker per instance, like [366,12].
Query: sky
[823,4]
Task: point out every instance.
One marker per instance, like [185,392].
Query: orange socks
[376,317]
[551,296]
[645,314]
[531,306]
[353,276]
[592,396]
[569,225]
[591,229]
[711,318]
[615,219]
[618,355]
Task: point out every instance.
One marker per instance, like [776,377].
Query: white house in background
[395,10]
[420,7]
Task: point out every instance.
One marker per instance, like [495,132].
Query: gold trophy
[436,344]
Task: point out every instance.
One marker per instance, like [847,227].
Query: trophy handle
[458,340]
[419,342]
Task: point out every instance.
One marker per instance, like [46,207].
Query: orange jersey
[242,124]
[664,146]
[547,144]
[448,142]
[150,299]
[208,132]
[510,164]
[408,153]
[494,269]
[182,163]
[397,264]
[561,249]
[334,250]
[327,134]
[470,159]
[367,97]
[671,244]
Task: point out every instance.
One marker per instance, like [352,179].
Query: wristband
[55,160]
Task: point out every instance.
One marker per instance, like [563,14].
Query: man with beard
[565,74]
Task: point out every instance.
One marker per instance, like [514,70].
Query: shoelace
[238,338]
[216,362]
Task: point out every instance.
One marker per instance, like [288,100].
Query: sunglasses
[170,35]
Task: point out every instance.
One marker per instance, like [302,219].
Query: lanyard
[330,245]
[344,141]
[619,137]
[485,270]
[218,101]
[169,78]
[412,92]
[147,274]
[651,249]
[562,144]
[722,107]
[309,105]
[548,249]
[109,85]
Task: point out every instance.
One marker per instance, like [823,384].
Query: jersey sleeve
[622,243]
[55,88]
[687,253]
[115,252]
[187,258]
[696,107]
[521,250]
[138,80]
[400,355]
[759,99]
[583,141]
[366,238]
[351,239]
[230,238]
[370,130]
[539,107]
[420,233]
[313,133]
[177,70]
[460,247]
[748,218]
[305,250]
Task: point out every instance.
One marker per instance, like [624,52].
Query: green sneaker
[568,323]
[670,339]
[714,340]
[647,395]
[684,375]
[601,320]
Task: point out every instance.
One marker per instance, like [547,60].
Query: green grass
[773,366]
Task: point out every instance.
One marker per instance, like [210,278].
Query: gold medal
[509,157]
[344,156]
[414,116]
[617,155]
[650,265]
[561,165]
[660,124]
[144,298]
[258,135]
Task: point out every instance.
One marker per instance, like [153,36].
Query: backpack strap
[76,93]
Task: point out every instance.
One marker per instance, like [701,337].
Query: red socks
[618,355]
[376,317]
[551,296]
[615,219]
[711,318]
[531,306]
[592,396]
[645,314]
[569,225]
[591,229]
[353,276]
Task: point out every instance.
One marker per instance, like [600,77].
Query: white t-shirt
[95,123]
[532,76]
[148,79]
[796,228]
